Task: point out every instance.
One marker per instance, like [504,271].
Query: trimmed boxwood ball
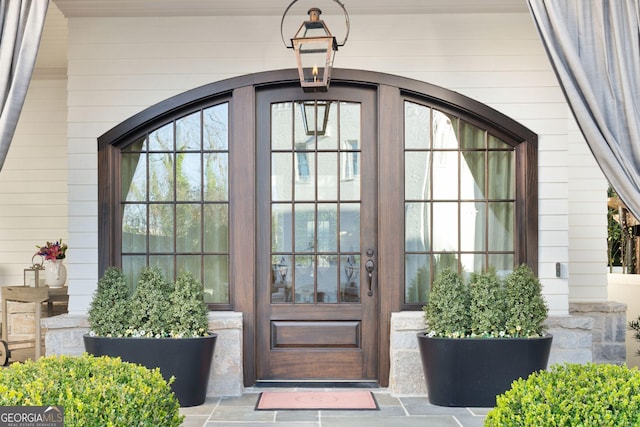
[571,395]
[94,391]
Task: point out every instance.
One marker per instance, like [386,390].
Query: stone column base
[609,329]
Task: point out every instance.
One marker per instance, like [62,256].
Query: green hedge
[94,391]
[571,395]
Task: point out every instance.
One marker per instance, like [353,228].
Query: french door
[317,299]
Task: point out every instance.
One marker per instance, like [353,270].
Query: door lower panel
[300,334]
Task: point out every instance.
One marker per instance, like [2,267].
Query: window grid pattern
[174,201]
[315,202]
[459,199]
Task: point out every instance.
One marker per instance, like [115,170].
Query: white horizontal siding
[588,222]
[33,180]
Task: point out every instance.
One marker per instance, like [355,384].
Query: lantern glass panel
[314,60]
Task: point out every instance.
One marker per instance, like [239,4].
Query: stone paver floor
[394,412]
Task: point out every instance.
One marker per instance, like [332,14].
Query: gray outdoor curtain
[594,46]
[21,23]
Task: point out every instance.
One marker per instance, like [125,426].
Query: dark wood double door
[317,291]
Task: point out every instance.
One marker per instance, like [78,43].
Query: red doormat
[310,400]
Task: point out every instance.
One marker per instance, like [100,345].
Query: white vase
[55,273]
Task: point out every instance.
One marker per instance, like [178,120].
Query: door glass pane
[161,228]
[134,228]
[328,141]
[416,179]
[188,177]
[216,279]
[281,215]
[417,277]
[350,278]
[281,173]
[216,177]
[417,218]
[350,176]
[473,220]
[188,227]
[215,129]
[188,133]
[281,274]
[304,279]
[501,175]
[304,136]
[417,126]
[445,231]
[310,234]
[445,175]
[350,227]
[472,175]
[327,176]
[281,126]
[327,227]
[305,227]
[327,279]
[444,131]
[216,227]
[500,230]
[305,182]
[350,124]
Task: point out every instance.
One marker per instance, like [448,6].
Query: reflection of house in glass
[315,193]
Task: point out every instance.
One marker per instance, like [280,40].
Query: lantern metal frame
[34,275]
[317,76]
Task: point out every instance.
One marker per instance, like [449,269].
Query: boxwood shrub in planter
[571,395]
[482,336]
[94,391]
[160,324]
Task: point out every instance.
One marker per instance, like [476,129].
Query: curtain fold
[594,47]
[21,23]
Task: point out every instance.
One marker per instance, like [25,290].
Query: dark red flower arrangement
[51,251]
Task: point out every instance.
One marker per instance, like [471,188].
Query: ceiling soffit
[159,8]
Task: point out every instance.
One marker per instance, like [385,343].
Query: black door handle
[369,266]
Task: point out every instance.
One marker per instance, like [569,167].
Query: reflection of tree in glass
[162,139]
[216,186]
[215,128]
[419,287]
[188,132]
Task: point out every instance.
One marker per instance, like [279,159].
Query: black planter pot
[473,371]
[187,359]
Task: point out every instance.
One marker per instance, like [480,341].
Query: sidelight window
[460,199]
[174,201]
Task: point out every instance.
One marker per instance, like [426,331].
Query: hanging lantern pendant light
[314,47]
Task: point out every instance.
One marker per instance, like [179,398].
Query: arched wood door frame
[241,90]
